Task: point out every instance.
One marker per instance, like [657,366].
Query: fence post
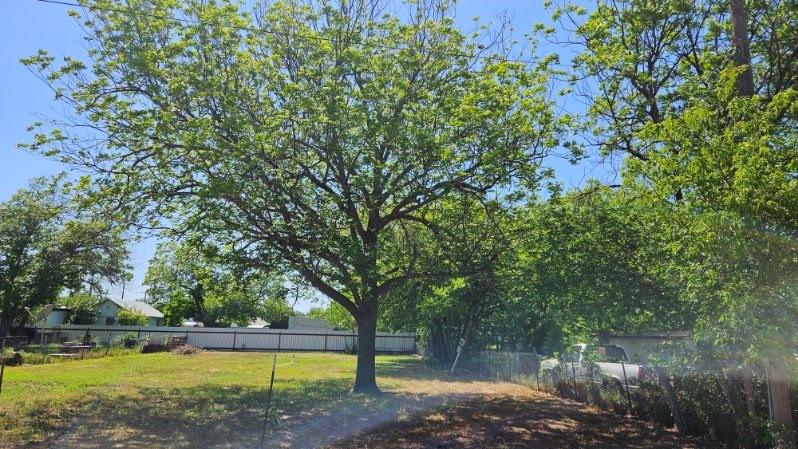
[279,340]
[2,360]
[41,346]
[676,411]
[626,383]
[576,389]
[325,342]
[271,386]
[45,348]
[110,338]
[235,337]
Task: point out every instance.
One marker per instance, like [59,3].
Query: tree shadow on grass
[308,413]
[201,416]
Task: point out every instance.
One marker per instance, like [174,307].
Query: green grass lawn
[200,398]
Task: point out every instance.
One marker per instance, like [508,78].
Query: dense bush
[132,318]
[129,340]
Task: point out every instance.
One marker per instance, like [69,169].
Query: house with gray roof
[108,312]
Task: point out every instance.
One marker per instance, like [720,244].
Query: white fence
[236,338]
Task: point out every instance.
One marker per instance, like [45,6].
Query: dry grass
[217,399]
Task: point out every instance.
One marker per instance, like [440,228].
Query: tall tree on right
[699,101]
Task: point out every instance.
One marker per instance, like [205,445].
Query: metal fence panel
[237,338]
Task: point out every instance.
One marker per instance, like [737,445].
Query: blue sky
[28,25]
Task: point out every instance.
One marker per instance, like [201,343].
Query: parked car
[609,363]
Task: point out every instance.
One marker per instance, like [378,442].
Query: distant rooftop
[139,306]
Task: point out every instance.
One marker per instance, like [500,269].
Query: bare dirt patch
[516,421]
[471,414]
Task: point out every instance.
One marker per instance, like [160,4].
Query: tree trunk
[779,403]
[365,376]
[742,47]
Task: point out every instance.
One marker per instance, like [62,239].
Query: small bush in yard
[12,358]
[186,350]
[128,340]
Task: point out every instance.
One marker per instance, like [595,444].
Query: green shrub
[131,318]
[129,340]
[82,307]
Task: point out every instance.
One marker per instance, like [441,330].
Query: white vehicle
[608,369]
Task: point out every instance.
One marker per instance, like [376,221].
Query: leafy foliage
[82,307]
[132,317]
[194,280]
[49,243]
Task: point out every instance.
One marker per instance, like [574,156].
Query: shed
[305,323]
[639,347]
[108,311]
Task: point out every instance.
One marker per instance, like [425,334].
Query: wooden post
[779,402]
[673,402]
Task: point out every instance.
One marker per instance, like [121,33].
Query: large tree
[47,244]
[305,134]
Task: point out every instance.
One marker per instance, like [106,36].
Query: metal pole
[2,360]
[110,337]
[235,336]
[573,370]
[626,383]
[268,401]
[325,342]
[279,341]
[271,385]
[537,380]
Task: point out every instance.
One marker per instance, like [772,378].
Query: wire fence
[711,402]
